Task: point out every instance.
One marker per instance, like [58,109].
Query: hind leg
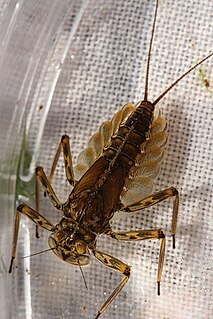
[154,199]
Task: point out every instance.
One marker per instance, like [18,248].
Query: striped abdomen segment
[126,144]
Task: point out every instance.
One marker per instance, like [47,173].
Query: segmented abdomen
[126,144]
[127,125]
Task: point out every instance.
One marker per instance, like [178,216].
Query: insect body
[114,173]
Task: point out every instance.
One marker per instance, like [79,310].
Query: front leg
[37,218]
[117,265]
[145,235]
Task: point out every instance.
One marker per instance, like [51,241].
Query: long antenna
[38,253]
[82,273]
[180,78]
[149,54]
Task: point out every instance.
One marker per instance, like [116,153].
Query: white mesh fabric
[104,68]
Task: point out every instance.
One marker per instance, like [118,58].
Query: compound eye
[52,244]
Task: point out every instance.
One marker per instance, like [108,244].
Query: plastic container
[65,67]
[33,46]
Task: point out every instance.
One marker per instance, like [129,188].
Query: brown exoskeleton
[115,172]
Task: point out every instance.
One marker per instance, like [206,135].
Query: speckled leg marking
[145,235]
[156,198]
[117,265]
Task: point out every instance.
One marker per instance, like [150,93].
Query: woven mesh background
[103,69]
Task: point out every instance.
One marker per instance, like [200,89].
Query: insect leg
[145,235]
[156,198]
[38,219]
[117,265]
[64,146]
[41,177]
[40,174]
